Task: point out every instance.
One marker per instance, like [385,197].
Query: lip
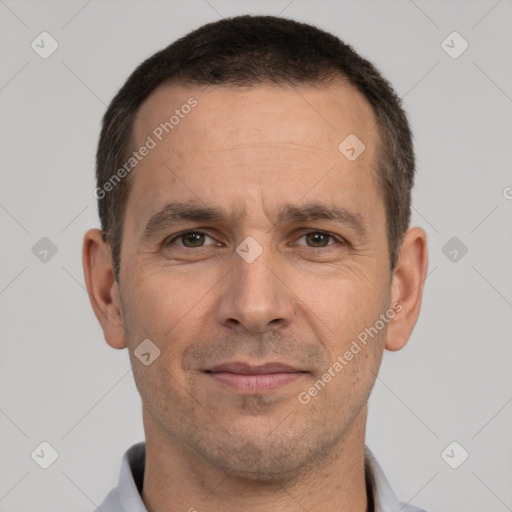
[254,379]
[248,369]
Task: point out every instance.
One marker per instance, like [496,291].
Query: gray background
[61,383]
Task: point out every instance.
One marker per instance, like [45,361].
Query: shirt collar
[131,478]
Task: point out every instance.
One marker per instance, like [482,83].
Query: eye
[197,239]
[318,239]
[190,239]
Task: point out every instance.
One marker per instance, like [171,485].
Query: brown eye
[191,240]
[317,239]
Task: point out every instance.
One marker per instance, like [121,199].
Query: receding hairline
[249,51]
[135,140]
[186,86]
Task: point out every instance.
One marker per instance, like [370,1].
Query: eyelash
[170,241]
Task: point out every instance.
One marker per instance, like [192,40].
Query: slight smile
[254,379]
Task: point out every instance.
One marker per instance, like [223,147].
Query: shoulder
[111,503]
[380,490]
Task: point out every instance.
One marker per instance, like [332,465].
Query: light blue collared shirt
[126,496]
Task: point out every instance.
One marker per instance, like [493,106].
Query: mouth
[254,379]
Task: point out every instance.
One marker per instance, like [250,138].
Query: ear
[407,287]
[102,287]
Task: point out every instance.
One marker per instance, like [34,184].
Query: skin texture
[300,302]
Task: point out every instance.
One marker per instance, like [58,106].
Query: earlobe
[407,287]
[102,287]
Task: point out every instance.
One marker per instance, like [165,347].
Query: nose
[255,296]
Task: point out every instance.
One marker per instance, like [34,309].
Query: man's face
[259,156]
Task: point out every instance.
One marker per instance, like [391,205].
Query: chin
[276,461]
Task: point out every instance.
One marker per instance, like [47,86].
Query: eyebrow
[174,212]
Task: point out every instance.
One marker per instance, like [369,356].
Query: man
[254,185]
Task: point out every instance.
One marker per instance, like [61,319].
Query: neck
[176,479]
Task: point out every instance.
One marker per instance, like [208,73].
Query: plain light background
[61,383]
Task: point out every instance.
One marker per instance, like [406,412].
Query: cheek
[161,300]
[344,299]
[169,308]
[345,384]
[157,309]
[345,305]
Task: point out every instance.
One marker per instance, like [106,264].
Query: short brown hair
[253,50]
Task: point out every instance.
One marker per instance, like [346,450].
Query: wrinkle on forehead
[312,117]
[260,146]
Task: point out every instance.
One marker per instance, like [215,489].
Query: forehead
[233,144]
[319,114]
